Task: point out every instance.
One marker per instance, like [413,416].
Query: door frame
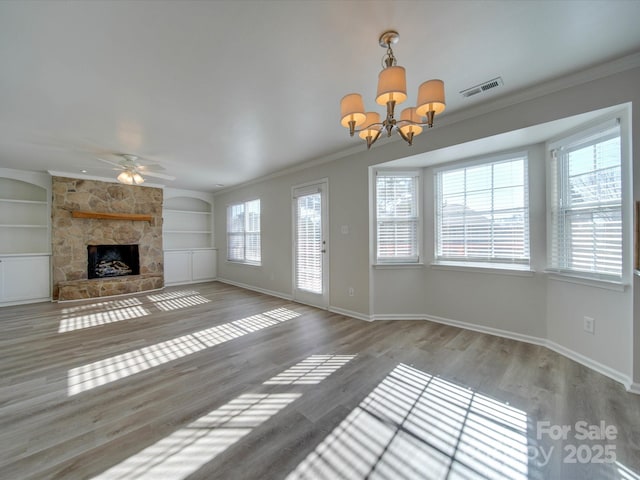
[323,183]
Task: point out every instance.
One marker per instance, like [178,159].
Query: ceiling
[222,92]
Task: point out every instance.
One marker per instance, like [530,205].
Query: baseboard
[488,330]
[25,302]
[284,296]
[384,316]
[590,363]
[350,313]
[190,282]
[543,342]
[633,387]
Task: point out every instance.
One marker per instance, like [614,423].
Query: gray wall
[534,307]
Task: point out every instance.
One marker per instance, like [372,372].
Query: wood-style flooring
[211,381]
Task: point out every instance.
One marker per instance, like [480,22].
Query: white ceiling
[221,92]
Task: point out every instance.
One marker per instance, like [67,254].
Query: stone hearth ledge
[106,287]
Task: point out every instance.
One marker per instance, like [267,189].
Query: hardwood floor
[215,382]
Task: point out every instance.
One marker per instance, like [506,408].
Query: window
[243,232]
[586,203]
[482,212]
[397,217]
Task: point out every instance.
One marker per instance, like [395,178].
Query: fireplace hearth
[112,261]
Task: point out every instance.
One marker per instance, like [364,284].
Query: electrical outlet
[589,325]
[351,292]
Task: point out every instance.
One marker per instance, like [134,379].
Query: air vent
[483,87]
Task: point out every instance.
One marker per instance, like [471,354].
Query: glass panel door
[310,245]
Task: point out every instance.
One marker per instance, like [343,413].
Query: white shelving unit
[25,245]
[187,224]
[189,253]
[24,217]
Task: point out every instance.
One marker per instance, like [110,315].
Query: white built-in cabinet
[25,245]
[189,253]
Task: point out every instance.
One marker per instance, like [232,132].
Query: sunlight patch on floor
[102,313]
[178,299]
[416,426]
[114,368]
[184,451]
[311,370]
[626,473]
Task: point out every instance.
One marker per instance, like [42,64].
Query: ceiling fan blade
[110,162]
[157,175]
[150,167]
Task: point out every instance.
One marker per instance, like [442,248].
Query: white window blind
[482,212]
[397,217]
[243,232]
[309,240]
[586,203]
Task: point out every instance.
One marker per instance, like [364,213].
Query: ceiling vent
[483,87]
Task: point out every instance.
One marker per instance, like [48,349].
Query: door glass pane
[309,243]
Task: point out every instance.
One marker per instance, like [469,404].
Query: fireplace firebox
[112,260]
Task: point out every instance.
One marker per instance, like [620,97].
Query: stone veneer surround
[70,236]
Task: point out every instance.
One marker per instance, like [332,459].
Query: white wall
[348,205]
[536,306]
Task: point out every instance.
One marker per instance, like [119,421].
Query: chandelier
[392,90]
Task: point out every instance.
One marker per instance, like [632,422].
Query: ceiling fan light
[137,178]
[392,85]
[125,177]
[431,98]
[409,114]
[352,110]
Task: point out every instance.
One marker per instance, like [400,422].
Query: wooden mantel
[139,217]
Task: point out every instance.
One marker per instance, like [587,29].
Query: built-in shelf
[24,237]
[23,226]
[33,202]
[187,236]
[171,210]
[24,217]
[187,223]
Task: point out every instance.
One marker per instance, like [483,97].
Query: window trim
[594,279]
[244,235]
[493,265]
[400,262]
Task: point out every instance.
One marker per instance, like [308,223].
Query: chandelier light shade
[431,99]
[372,132]
[392,86]
[410,125]
[392,90]
[352,111]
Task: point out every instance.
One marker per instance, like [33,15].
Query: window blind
[586,203]
[397,217]
[482,212]
[309,241]
[243,232]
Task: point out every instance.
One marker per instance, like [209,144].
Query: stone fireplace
[76,240]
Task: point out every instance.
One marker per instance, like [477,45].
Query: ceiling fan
[132,168]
